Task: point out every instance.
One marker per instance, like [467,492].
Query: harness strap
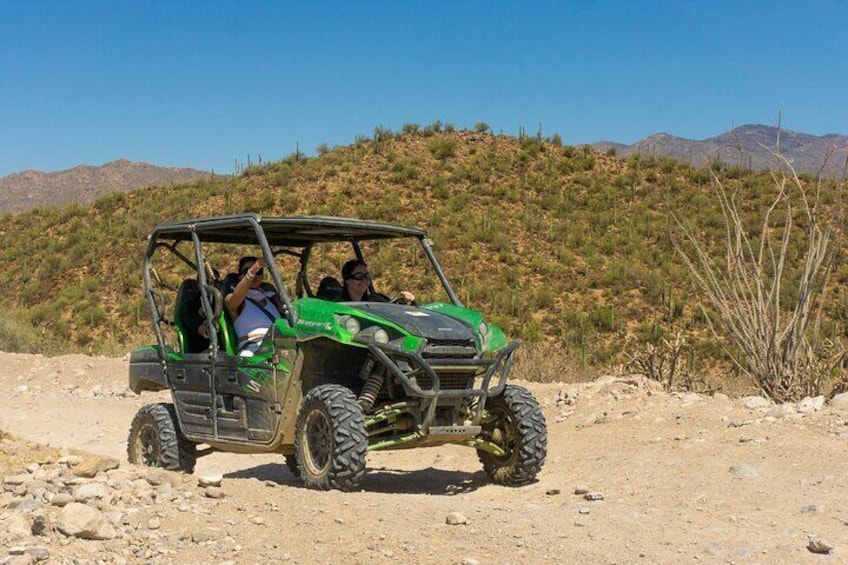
[264,311]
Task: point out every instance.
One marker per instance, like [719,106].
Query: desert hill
[748,146]
[557,244]
[85,183]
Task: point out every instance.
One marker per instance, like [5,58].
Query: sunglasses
[360,276]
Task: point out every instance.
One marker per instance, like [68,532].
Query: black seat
[228,283]
[188,317]
[330,289]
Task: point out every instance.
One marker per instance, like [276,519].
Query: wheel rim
[504,434]
[149,446]
[319,442]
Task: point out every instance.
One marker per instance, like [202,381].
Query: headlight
[381,336]
[350,323]
[483,329]
[373,334]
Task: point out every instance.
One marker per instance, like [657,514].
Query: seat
[188,317]
[226,332]
[330,289]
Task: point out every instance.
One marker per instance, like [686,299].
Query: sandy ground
[683,479]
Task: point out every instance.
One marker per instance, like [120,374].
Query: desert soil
[680,478]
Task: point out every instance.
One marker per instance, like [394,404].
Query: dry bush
[545,363]
[664,363]
[771,338]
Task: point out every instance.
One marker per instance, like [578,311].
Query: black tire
[330,440]
[519,429]
[155,440]
[291,464]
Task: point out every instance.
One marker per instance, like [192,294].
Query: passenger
[252,307]
[357,285]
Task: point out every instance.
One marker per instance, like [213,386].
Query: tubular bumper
[502,363]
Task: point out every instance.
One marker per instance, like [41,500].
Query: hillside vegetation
[558,244]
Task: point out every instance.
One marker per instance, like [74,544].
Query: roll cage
[294,236]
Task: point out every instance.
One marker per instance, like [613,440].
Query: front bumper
[497,370]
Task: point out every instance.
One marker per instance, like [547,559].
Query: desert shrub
[442,148]
[603,318]
[439,187]
[666,360]
[481,127]
[434,128]
[17,336]
[404,170]
[382,134]
[768,297]
[530,146]
[545,363]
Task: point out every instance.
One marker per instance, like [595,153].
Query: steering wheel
[399,299]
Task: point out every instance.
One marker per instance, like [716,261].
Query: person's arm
[235,299]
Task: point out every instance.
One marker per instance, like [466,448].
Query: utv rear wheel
[291,464]
[155,440]
[330,440]
[517,426]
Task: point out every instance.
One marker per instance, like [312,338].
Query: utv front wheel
[517,426]
[330,440]
[155,440]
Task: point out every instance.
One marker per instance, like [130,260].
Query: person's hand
[256,267]
[406,297]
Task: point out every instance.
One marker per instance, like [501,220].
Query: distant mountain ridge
[85,183]
[747,146]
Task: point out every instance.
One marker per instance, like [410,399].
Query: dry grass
[545,363]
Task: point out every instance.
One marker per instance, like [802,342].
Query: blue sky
[205,84]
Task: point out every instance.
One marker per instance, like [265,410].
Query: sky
[211,84]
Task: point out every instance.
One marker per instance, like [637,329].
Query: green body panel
[320,318]
[494,339]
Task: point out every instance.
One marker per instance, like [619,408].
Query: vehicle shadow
[382,479]
[422,481]
[273,472]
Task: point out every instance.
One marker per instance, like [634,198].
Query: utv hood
[422,323]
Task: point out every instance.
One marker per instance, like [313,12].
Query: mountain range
[749,146]
[85,183]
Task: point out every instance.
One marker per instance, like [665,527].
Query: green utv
[332,380]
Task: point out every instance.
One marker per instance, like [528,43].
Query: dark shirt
[369,296]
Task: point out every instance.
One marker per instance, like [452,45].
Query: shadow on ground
[382,479]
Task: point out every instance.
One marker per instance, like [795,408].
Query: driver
[357,285]
[252,307]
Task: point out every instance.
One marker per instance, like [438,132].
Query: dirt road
[681,478]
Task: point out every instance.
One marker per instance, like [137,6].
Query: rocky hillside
[748,147]
[556,244]
[84,184]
